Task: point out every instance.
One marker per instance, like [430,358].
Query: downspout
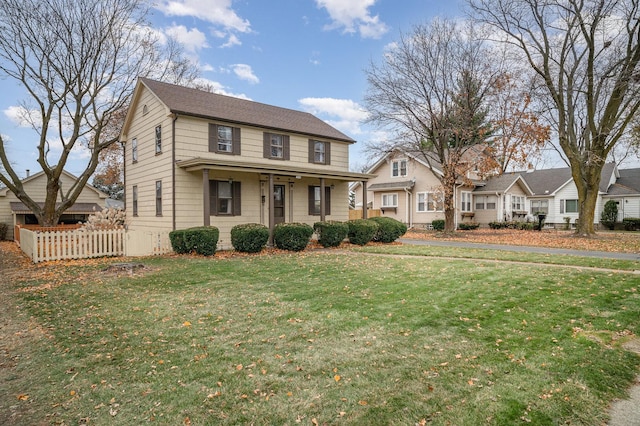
[173,172]
[409,216]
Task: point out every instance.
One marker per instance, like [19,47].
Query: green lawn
[328,338]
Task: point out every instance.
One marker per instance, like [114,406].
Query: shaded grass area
[502,255]
[331,339]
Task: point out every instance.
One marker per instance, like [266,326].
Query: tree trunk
[49,214]
[450,220]
[587,179]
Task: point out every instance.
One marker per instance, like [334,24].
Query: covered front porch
[270,195]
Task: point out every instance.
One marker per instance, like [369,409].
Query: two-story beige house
[194,158]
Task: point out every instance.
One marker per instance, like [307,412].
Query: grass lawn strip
[328,338]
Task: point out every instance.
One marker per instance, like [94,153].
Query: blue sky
[308,55]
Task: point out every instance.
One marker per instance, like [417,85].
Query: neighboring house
[14,212]
[406,188]
[626,193]
[194,158]
[556,194]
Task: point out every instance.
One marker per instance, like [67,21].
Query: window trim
[563,206]
[539,209]
[158,139]
[236,198]
[158,198]
[266,146]
[134,200]
[466,200]
[518,200]
[485,202]
[134,150]
[384,197]
[312,200]
[430,199]
[214,140]
[326,152]
[396,166]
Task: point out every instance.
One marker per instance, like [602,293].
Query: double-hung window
[539,206]
[430,202]
[158,198]
[315,201]
[276,146]
[134,150]
[568,206]
[517,203]
[158,139]
[485,202]
[389,200]
[319,152]
[224,198]
[399,168]
[465,201]
[224,139]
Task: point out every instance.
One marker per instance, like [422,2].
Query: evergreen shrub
[249,237]
[331,233]
[389,229]
[361,231]
[202,240]
[292,236]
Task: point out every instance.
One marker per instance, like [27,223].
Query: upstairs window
[224,139]
[276,146]
[399,168]
[134,150]
[158,139]
[319,152]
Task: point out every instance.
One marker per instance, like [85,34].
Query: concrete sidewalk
[524,249]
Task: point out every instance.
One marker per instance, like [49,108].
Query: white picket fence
[84,244]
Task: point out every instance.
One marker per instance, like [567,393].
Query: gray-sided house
[194,158]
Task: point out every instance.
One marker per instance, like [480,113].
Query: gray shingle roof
[627,184]
[499,183]
[198,103]
[548,181]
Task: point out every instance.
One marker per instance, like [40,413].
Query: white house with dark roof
[194,158]
[626,193]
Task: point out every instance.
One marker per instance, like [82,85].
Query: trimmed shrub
[609,214]
[361,231]
[468,226]
[201,240]
[4,228]
[331,233]
[438,224]
[389,229]
[631,223]
[292,236]
[249,237]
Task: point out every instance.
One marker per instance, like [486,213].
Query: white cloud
[232,41]
[193,40]
[218,12]
[244,72]
[21,116]
[344,114]
[354,16]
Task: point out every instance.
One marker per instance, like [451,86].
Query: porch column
[272,214]
[206,198]
[322,200]
[364,199]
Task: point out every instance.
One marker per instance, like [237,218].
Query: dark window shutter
[561,206]
[327,153]
[266,146]
[213,197]
[285,143]
[213,138]
[237,193]
[327,200]
[236,141]
[312,148]
[312,199]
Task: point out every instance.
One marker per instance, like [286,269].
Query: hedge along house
[194,158]
[14,212]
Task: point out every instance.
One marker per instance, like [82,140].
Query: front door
[278,203]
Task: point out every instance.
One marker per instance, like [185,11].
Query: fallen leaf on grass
[23,397]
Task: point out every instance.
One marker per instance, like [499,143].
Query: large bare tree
[586,54]
[430,91]
[78,61]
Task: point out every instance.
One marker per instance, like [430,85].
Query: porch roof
[198,163]
[391,186]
